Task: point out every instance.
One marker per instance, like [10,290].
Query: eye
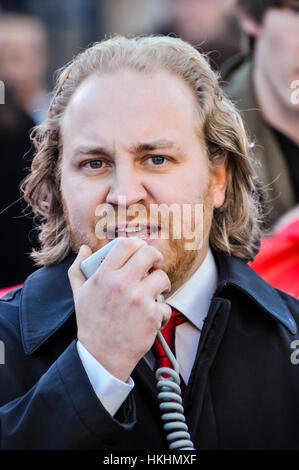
[95,164]
[157,160]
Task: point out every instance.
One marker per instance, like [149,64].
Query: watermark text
[295,93]
[2,352]
[2,92]
[295,354]
[159,221]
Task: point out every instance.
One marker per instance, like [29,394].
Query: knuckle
[131,242]
[153,313]
[120,286]
[97,276]
[152,252]
[70,271]
[95,279]
[137,299]
[168,311]
[163,277]
[166,314]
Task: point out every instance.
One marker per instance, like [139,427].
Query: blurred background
[38,37]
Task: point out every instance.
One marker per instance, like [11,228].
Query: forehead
[129,105]
[287,12]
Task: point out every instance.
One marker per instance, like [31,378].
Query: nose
[126,186]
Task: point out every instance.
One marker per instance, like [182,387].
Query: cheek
[81,196]
[276,39]
[195,187]
[80,204]
[183,188]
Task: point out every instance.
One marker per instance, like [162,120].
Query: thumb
[75,274]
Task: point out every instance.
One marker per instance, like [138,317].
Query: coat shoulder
[291,302]
[9,310]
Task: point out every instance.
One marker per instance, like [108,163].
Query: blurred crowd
[253,44]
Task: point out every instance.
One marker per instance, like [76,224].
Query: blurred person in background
[15,228]
[261,83]
[23,62]
[278,259]
[209,25]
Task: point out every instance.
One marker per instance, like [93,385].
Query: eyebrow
[137,149]
[154,145]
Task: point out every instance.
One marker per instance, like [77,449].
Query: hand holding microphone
[116,309]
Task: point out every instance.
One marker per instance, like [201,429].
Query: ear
[219,181]
[249,25]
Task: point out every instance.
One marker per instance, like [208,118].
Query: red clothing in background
[278,259]
[7,289]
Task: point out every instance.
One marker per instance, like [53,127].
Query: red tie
[169,335]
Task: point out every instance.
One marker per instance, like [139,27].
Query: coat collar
[47,300]
[234,272]
[46,303]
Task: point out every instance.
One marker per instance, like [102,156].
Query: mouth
[145,232]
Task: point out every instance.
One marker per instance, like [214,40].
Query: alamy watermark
[295,354]
[2,92]
[2,352]
[295,93]
[177,221]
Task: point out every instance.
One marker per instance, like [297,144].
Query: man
[264,86]
[24,61]
[136,123]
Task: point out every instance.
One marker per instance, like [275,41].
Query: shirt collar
[47,301]
[193,298]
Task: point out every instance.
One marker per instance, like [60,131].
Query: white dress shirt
[193,300]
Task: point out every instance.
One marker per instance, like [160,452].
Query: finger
[156,283]
[75,274]
[165,311]
[122,251]
[144,259]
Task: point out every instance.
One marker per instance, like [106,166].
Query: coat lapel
[146,376]
[46,303]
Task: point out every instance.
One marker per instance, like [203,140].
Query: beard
[179,263]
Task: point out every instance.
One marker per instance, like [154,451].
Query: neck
[275,111]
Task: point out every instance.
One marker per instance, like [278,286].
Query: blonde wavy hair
[236,225]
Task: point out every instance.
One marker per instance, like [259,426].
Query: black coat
[243,391]
[17,235]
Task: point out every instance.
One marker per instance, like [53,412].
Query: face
[194,18]
[277,52]
[130,136]
[22,55]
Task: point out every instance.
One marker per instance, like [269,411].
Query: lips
[141,230]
